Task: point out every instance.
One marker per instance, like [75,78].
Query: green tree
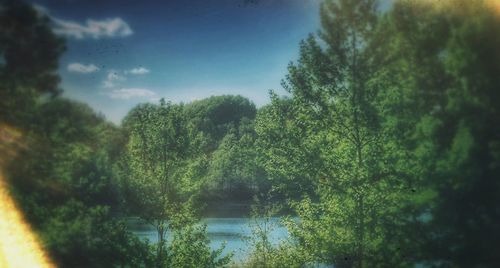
[469,141]
[221,128]
[162,180]
[63,181]
[234,172]
[440,67]
[216,115]
[190,248]
[329,139]
[29,55]
[461,136]
[263,223]
[156,152]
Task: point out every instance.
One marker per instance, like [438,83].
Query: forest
[385,151]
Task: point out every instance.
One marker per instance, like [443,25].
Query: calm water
[232,231]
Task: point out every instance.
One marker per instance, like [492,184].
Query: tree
[156,152]
[29,55]
[221,128]
[234,172]
[62,179]
[162,179]
[441,63]
[216,115]
[462,137]
[262,225]
[190,248]
[469,165]
[329,138]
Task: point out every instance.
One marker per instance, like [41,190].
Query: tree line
[385,151]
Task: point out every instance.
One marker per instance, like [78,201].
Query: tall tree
[463,227]
[62,179]
[330,138]
[162,173]
[29,55]
[156,152]
[442,62]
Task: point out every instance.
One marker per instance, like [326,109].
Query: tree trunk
[361,238]
[160,245]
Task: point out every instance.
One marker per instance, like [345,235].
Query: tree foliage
[162,175]
[386,131]
[29,57]
[63,180]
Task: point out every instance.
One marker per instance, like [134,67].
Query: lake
[231,231]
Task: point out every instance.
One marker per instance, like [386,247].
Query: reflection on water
[232,231]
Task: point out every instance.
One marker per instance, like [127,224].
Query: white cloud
[139,70]
[112,27]
[82,68]
[112,78]
[115,76]
[128,93]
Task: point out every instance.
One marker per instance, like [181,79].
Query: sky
[124,52]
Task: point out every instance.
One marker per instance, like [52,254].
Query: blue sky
[121,53]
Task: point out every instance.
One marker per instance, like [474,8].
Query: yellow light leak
[495,4]
[19,247]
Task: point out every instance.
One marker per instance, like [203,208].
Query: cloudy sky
[124,52]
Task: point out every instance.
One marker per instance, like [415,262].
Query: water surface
[232,231]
